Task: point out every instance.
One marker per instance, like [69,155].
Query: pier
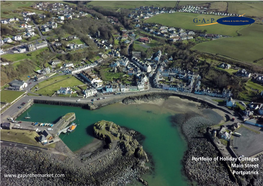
[62,123]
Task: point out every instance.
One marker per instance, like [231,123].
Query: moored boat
[72,127]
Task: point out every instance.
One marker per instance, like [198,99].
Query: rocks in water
[111,132]
[143,181]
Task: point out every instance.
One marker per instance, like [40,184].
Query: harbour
[149,120]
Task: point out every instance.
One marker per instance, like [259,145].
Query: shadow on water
[89,130]
[55,121]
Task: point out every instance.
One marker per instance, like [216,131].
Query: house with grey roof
[17,85]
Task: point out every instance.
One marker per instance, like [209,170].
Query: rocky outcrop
[145,98]
[111,132]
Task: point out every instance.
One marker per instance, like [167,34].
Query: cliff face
[110,132]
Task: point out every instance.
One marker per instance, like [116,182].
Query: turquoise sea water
[162,141]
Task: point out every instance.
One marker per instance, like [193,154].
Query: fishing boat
[27,117]
[72,127]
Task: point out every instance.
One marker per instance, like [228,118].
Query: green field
[17,57]
[134,4]
[185,21]
[9,95]
[247,47]
[14,9]
[247,8]
[50,86]
[22,136]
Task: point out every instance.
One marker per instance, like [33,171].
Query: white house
[8,40]
[147,68]
[17,38]
[89,92]
[123,88]
[69,65]
[62,18]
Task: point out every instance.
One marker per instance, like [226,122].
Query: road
[43,37]
[20,145]
[14,108]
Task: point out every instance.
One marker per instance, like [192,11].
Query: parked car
[19,107]
[233,119]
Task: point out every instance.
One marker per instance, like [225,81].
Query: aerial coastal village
[86,57]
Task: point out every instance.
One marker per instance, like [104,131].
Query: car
[19,107]
[233,119]
[20,122]
[29,83]
[98,99]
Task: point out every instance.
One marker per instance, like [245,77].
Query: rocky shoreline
[193,126]
[102,166]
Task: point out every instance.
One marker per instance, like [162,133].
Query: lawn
[17,57]
[76,41]
[139,47]
[8,95]
[109,76]
[51,81]
[22,136]
[230,71]
[185,21]
[250,84]
[50,87]
[247,47]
